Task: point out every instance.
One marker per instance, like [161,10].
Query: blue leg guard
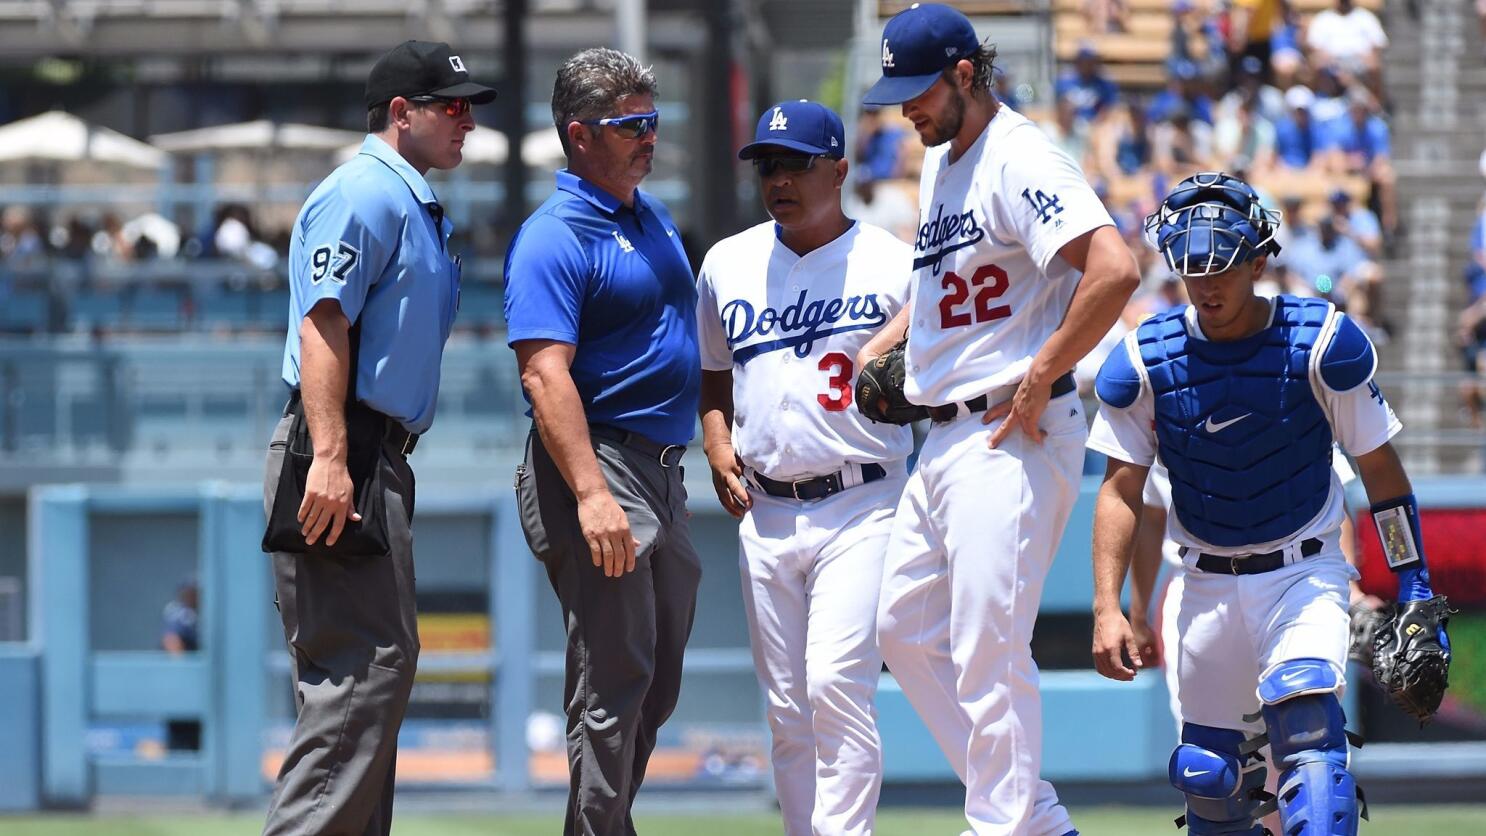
[1308,742]
[1224,788]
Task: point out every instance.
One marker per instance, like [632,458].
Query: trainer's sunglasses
[634,126]
[793,163]
[453,108]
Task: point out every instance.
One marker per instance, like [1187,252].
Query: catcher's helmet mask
[1210,223]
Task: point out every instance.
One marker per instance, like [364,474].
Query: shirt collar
[374,146]
[600,199]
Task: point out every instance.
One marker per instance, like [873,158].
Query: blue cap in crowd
[804,126]
[917,45]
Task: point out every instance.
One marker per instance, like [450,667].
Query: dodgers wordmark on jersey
[1360,418]
[789,328]
[988,287]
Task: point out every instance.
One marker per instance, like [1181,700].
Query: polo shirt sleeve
[346,236]
[547,273]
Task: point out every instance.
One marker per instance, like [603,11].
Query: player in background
[1242,398]
[1018,271]
[783,308]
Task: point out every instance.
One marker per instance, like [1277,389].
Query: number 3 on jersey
[838,398]
[992,282]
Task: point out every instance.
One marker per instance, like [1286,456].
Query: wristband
[1397,521]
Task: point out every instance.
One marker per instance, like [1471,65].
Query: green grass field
[1094,821]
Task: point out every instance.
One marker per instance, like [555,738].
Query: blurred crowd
[30,239]
[1471,325]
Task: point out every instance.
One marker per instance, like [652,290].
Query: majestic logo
[1218,426]
[457,63]
[887,55]
[943,235]
[624,243]
[799,326]
[779,122]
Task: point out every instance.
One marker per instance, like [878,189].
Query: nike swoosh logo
[670,233]
[1292,675]
[1188,773]
[1221,425]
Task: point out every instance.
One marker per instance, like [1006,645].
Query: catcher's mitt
[1365,623]
[1408,659]
[879,390]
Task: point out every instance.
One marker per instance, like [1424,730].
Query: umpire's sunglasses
[453,108]
[633,126]
[793,163]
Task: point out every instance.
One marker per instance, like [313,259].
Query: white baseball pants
[812,572]
[974,537]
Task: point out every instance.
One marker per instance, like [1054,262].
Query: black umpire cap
[422,68]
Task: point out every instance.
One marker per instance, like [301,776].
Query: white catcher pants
[811,575]
[974,537]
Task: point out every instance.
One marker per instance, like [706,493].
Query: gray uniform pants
[626,635]
[352,629]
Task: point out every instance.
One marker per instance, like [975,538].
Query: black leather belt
[980,403]
[669,455]
[1253,564]
[817,487]
[394,433]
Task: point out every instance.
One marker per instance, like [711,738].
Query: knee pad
[1223,786]
[1308,742]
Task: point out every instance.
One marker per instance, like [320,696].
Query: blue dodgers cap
[917,45]
[804,126]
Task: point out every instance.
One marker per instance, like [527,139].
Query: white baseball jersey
[789,328]
[1361,421]
[988,287]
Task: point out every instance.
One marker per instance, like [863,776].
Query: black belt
[669,455]
[393,432]
[1253,564]
[980,403]
[817,487]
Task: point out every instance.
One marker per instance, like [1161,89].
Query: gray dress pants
[625,635]
[351,624]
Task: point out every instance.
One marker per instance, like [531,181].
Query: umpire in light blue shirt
[601,305]
[373,292]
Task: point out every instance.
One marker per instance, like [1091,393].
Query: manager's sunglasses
[793,163]
[633,126]
[453,108]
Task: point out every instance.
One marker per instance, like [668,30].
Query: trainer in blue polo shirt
[601,307]
[611,279]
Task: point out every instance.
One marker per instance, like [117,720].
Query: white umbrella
[260,134]
[62,137]
[487,146]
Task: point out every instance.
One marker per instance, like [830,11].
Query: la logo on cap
[779,122]
[457,63]
[887,55]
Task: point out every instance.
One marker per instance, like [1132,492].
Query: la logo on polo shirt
[624,243]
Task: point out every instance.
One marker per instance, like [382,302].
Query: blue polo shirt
[372,237]
[613,281]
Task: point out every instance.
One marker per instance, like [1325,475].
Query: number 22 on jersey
[989,281]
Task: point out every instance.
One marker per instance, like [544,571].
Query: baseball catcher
[1242,397]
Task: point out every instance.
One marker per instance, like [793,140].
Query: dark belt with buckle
[816,487]
[394,433]
[669,455]
[1253,564]
[980,403]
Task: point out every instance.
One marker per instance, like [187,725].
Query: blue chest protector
[1238,425]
